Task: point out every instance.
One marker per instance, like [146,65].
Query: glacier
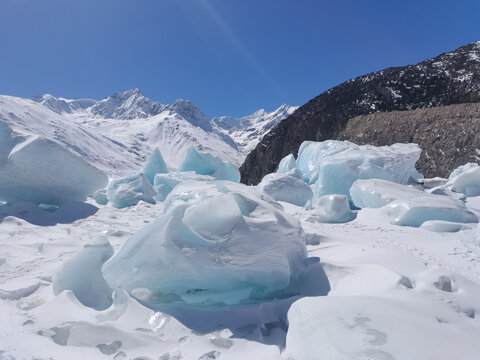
[206,164]
[82,274]
[332,209]
[216,242]
[129,190]
[417,210]
[154,165]
[376,193]
[164,183]
[333,166]
[466,180]
[286,187]
[37,169]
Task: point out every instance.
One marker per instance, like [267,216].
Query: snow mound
[154,165]
[82,274]
[286,187]
[164,183]
[36,169]
[376,193]
[443,226]
[206,164]
[129,190]
[332,209]
[335,165]
[216,243]
[369,327]
[466,180]
[417,210]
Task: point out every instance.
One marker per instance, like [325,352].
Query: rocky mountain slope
[450,134]
[450,78]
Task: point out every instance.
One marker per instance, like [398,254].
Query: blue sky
[230,57]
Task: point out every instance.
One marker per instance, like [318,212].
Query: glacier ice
[206,164]
[100,197]
[164,183]
[82,274]
[466,180]
[129,190]
[334,165]
[417,210]
[286,164]
[217,242]
[154,165]
[443,226]
[376,193]
[286,187]
[39,170]
[332,209]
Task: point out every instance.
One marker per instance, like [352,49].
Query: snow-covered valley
[344,253]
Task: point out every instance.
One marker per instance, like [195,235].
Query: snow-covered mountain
[249,130]
[134,125]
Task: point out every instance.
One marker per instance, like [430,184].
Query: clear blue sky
[230,57]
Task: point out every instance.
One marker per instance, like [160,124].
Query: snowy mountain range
[118,133]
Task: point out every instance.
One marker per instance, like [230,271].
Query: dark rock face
[450,78]
[448,135]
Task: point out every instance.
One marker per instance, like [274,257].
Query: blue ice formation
[287,164]
[286,187]
[332,208]
[82,274]
[100,197]
[333,166]
[129,190]
[417,210]
[206,164]
[164,183]
[217,243]
[376,193]
[154,165]
[465,179]
[35,169]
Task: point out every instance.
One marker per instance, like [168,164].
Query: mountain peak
[190,112]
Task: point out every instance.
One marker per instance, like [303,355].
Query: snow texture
[376,193]
[82,274]
[206,164]
[216,243]
[129,190]
[286,187]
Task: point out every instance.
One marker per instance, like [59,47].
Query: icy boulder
[100,197]
[335,165]
[286,164]
[129,190]
[376,193]
[332,209]
[82,274]
[206,164]
[164,183]
[39,170]
[216,243]
[466,180]
[443,226]
[286,187]
[417,210]
[154,165]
